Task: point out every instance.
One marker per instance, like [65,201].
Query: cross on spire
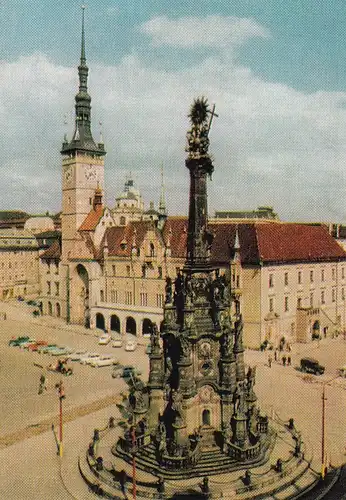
[212,114]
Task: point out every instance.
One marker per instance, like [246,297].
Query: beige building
[110,269]
[19,264]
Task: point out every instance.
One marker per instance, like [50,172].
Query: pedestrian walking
[288,360]
[269,361]
[43,383]
[284,360]
[276,355]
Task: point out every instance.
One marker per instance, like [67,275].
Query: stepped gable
[119,239]
[53,252]
[92,219]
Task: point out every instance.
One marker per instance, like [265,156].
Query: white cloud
[272,144]
[113,10]
[211,31]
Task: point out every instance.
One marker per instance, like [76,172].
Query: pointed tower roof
[82,139]
[162,203]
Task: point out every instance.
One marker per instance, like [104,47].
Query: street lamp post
[61,395]
[134,490]
[323,437]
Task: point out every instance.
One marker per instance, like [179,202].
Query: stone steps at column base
[112,489]
[214,463]
[282,489]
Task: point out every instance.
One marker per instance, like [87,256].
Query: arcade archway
[79,296]
[100,321]
[147,326]
[115,323]
[131,326]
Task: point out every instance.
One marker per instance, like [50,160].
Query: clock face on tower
[90,173]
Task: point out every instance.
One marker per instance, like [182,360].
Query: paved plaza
[32,470]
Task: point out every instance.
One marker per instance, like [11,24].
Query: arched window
[58,310]
[206,417]
[152,249]
[50,309]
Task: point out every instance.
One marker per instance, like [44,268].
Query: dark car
[310,365]
[125,372]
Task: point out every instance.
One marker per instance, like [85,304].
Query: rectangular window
[271,305]
[286,304]
[102,296]
[48,288]
[143,297]
[311,299]
[159,270]
[342,293]
[159,300]
[322,275]
[144,271]
[286,279]
[271,281]
[57,268]
[323,301]
[113,270]
[311,276]
[333,294]
[299,303]
[128,298]
[57,288]
[128,270]
[333,273]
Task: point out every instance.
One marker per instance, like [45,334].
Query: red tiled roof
[53,252]
[296,242]
[177,226]
[92,219]
[259,242]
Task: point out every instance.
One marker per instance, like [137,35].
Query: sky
[276,71]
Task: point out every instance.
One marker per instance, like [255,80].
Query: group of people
[286,360]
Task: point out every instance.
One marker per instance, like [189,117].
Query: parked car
[61,351]
[88,358]
[310,365]
[117,343]
[15,342]
[130,345]
[126,372]
[37,345]
[46,348]
[77,355]
[27,344]
[105,339]
[104,360]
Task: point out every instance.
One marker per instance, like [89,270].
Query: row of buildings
[107,267]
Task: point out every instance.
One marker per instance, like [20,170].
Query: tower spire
[162,202]
[82,139]
[82,54]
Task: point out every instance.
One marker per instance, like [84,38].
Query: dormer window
[122,220]
[152,249]
[123,245]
